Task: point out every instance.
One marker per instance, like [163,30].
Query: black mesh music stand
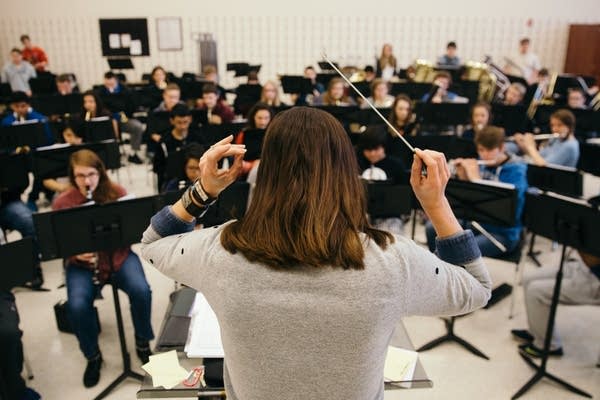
[387,199]
[570,222]
[25,134]
[557,179]
[485,203]
[93,228]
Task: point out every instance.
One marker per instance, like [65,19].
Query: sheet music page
[204,338]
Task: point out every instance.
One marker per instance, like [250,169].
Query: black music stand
[14,170]
[297,84]
[118,63]
[105,227]
[511,118]
[386,199]
[98,129]
[30,134]
[562,180]
[589,158]
[53,161]
[19,255]
[486,203]
[443,114]
[253,139]
[571,223]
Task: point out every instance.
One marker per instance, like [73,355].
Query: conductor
[306,292]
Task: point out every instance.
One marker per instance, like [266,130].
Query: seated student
[562,150]
[134,127]
[576,99]
[500,167]
[402,118]
[270,94]
[375,165]
[11,356]
[94,108]
[217,111]
[86,273]
[316,87]
[386,63]
[17,73]
[369,74]
[514,94]
[210,73]
[443,80]
[335,95]
[171,96]
[174,140]
[154,90]
[259,117]
[21,112]
[71,133]
[379,95]
[580,285]
[191,170]
[450,59]
[481,114]
[65,85]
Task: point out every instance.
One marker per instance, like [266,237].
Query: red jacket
[35,55]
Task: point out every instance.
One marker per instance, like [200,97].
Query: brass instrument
[424,71]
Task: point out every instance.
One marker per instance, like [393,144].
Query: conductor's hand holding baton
[204,192]
[429,189]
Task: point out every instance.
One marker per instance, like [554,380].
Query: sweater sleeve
[454,282]
[170,245]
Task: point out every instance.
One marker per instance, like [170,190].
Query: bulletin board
[124,37]
[168,32]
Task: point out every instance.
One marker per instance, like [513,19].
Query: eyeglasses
[82,177]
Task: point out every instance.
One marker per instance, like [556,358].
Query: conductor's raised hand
[213,179]
[429,190]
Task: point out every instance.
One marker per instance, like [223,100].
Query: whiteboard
[168,31]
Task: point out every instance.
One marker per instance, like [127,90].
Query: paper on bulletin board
[135,47]
[125,40]
[168,30]
[114,41]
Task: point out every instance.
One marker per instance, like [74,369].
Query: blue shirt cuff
[165,223]
[458,249]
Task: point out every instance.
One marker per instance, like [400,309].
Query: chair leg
[27,367]
[517,281]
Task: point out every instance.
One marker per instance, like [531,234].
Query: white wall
[286,36]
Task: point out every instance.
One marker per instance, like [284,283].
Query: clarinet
[95,263]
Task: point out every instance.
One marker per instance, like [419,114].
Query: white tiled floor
[457,374]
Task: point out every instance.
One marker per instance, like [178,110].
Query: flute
[543,136]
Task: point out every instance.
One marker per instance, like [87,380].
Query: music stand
[570,222]
[93,228]
[388,200]
[297,84]
[120,63]
[484,202]
[53,162]
[511,118]
[98,129]
[558,179]
[589,158]
[414,90]
[443,113]
[14,170]
[20,256]
[253,139]
[29,133]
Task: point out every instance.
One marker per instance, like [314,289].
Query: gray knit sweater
[315,333]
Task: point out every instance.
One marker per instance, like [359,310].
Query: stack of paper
[399,365]
[165,370]
[204,339]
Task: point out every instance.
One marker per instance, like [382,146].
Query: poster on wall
[168,32]
[124,37]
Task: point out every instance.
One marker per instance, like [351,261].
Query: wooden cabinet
[583,52]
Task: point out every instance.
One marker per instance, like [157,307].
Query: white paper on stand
[399,365]
[204,336]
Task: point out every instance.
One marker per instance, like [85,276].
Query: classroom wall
[289,35]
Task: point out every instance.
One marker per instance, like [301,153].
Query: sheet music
[399,364]
[204,337]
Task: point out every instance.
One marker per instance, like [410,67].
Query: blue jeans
[18,217]
[81,293]
[487,248]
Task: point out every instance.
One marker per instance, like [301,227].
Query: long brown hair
[393,118]
[106,190]
[328,100]
[309,204]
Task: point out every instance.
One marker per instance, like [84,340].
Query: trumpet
[543,136]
